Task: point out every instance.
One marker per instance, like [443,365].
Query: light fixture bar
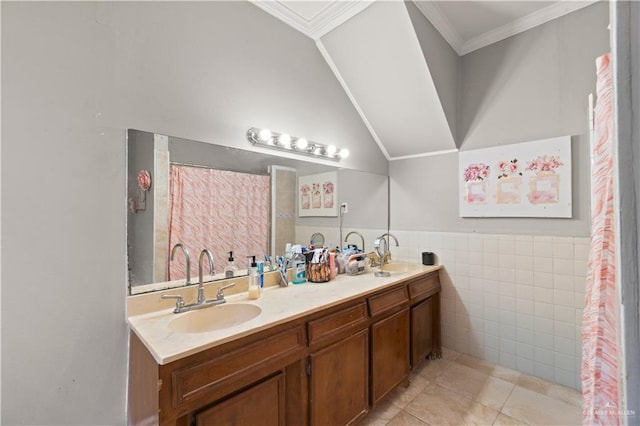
[285,142]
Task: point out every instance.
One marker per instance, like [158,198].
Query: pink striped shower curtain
[218,210]
[600,317]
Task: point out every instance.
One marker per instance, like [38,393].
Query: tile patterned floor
[462,390]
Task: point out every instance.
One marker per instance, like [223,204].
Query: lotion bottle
[254,285]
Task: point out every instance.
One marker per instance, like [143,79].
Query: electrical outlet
[344,207]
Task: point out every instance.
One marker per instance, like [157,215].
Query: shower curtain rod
[200,166]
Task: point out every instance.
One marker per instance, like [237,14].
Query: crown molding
[335,14]
[336,72]
[439,20]
[424,154]
[525,23]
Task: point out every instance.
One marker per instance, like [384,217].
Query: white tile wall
[515,300]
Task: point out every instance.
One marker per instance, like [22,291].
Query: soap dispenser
[254,285]
[230,270]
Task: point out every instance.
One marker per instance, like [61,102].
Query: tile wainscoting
[514,300]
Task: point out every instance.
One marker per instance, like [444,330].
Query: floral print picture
[317,194]
[531,179]
[508,186]
[475,176]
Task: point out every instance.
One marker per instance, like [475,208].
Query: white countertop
[278,304]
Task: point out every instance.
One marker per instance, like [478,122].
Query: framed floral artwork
[530,179]
[318,195]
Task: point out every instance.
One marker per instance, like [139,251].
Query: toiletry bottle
[254,285]
[332,265]
[230,269]
[260,271]
[299,266]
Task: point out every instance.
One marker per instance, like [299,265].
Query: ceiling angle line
[334,68]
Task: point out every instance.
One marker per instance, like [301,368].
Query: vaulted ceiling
[401,78]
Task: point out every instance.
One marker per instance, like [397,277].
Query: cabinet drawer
[424,287]
[337,325]
[389,302]
[262,404]
[214,378]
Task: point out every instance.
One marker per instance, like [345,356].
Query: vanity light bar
[285,142]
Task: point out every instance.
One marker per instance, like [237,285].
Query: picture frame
[529,179]
[318,195]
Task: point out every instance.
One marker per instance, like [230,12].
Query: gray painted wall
[531,86]
[75,76]
[443,63]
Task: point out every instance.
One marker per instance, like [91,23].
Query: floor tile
[489,368]
[370,420]
[449,354]
[538,409]
[432,368]
[475,385]
[504,420]
[535,384]
[405,419]
[383,413]
[553,390]
[439,406]
[402,396]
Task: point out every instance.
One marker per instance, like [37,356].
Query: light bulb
[344,153]
[264,135]
[284,140]
[331,150]
[317,150]
[301,144]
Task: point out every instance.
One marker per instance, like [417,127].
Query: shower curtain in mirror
[600,317]
[218,210]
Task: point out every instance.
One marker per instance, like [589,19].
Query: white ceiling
[466,25]
[376,54]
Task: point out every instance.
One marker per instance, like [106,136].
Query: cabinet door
[422,326]
[389,354]
[262,404]
[339,381]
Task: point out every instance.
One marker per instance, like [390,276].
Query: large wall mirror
[186,196]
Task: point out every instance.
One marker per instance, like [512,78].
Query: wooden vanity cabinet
[339,366]
[424,293]
[327,368]
[223,379]
[389,342]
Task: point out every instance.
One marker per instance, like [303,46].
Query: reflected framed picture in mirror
[318,195]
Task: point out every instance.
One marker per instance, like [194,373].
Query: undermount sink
[214,318]
[399,267]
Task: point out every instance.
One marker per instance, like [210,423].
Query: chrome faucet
[382,249]
[204,252]
[358,234]
[187,256]
[181,307]
[201,302]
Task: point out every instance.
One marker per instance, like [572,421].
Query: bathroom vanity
[318,354]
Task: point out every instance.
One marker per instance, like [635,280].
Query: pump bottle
[230,270]
[254,285]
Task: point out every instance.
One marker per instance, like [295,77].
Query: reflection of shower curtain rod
[200,166]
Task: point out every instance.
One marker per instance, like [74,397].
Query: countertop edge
[159,343]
